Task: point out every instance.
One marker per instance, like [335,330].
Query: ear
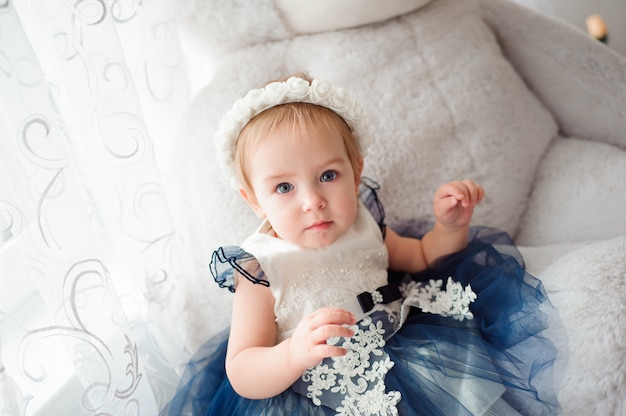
[251,200]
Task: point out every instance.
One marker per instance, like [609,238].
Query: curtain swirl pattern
[91,93]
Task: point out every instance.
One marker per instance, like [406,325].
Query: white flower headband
[294,90]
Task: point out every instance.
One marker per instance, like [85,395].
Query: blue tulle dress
[464,337]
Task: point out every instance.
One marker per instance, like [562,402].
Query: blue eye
[284,187]
[329,176]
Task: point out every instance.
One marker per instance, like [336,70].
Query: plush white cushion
[579,183]
[218,28]
[311,16]
[222,27]
[454,89]
[588,288]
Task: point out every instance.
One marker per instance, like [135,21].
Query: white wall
[612,11]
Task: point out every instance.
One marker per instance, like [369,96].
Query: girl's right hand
[308,345]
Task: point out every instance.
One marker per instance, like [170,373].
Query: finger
[481,193]
[476,195]
[452,201]
[450,190]
[474,192]
[326,350]
[319,352]
[471,193]
[327,316]
[309,355]
[321,334]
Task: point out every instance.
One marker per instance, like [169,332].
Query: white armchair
[526,105]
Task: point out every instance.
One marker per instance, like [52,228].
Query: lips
[320,226]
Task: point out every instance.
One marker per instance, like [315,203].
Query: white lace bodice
[304,280]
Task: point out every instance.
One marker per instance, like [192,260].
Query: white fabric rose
[321,92]
[298,89]
[276,92]
[256,100]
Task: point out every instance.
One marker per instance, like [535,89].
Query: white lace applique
[453,302]
[354,384]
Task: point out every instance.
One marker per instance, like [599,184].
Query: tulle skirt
[500,362]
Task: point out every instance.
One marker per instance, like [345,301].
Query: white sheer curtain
[91,93]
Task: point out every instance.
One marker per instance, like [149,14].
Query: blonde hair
[298,115]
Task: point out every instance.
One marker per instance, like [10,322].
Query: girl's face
[305,185]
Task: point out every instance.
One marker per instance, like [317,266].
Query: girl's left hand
[454,202]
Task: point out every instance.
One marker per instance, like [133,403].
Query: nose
[313,200]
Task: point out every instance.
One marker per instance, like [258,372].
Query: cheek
[276,211]
[349,205]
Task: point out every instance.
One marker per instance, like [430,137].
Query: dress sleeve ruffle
[230,259]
